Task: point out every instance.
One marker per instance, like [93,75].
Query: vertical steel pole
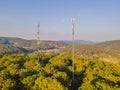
[73,22]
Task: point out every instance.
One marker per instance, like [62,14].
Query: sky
[95,20]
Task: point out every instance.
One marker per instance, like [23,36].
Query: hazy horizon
[95,20]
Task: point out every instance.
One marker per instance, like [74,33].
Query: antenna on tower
[38,42]
[73,22]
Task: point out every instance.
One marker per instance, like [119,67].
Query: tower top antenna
[38,25]
[73,20]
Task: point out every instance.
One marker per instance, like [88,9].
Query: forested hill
[113,45]
[21,45]
[29,43]
[106,51]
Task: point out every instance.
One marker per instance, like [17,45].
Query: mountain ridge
[23,45]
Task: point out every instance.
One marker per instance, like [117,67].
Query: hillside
[27,45]
[109,50]
[113,47]
[106,51]
[10,49]
[110,45]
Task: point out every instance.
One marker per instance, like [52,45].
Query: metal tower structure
[38,42]
[73,22]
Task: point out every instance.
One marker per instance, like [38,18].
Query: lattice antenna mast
[73,22]
[38,41]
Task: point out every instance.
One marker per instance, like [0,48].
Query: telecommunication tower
[38,42]
[73,22]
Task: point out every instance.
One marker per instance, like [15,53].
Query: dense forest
[54,72]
